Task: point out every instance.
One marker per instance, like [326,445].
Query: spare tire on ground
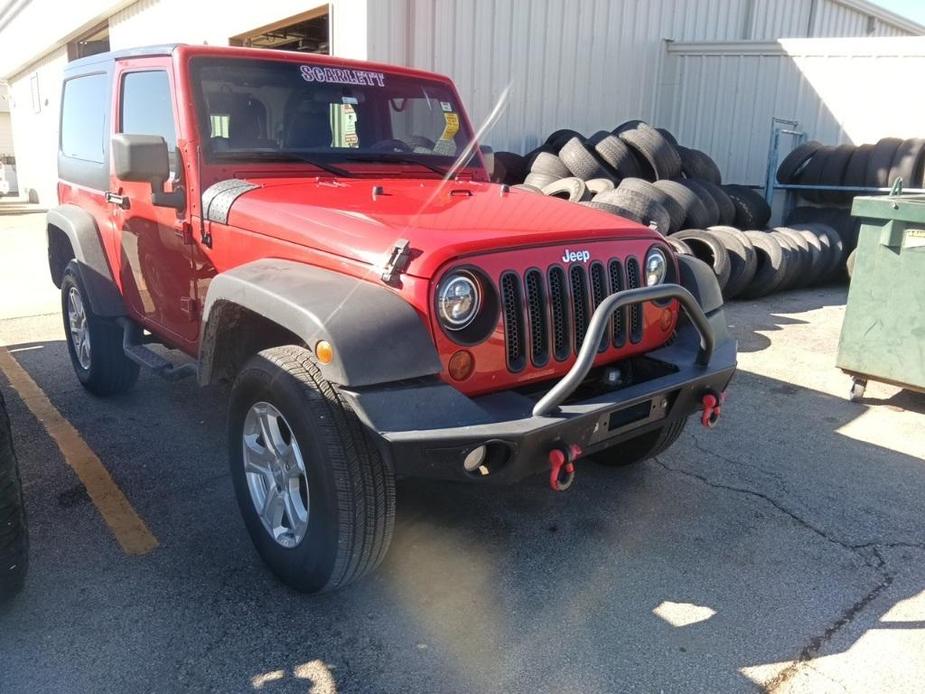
[697,187]
[680,247]
[695,213]
[797,261]
[560,137]
[856,171]
[742,260]
[615,155]
[697,164]
[751,209]
[614,210]
[579,160]
[727,210]
[549,164]
[811,174]
[661,156]
[771,265]
[833,173]
[651,191]
[540,181]
[831,242]
[641,207]
[880,163]
[526,187]
[908,163]
[710,250]
[790,168]
[572,189]
[599,185]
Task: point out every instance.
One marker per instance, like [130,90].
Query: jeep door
[156,270]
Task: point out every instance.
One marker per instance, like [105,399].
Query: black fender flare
[377,337]
[699,279]
[81,230]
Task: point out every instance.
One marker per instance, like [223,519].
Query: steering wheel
[390,146]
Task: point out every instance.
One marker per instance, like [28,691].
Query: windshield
[287,111]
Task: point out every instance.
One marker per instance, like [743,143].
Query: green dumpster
[883,336]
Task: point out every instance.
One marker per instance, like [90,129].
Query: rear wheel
[94,343]
[14,540]
[317,498]
[642,447]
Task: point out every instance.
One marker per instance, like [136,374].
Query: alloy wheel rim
[79,330]
[275,473]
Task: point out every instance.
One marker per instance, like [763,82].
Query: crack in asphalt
[873,559]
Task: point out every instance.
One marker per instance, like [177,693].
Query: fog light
[324,352]
[474,459]
[461,365]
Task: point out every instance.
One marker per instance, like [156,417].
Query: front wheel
[643,447]
[94,343]
[317,498]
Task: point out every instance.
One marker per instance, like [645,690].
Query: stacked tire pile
[862,166]
[641,173]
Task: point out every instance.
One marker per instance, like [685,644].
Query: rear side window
[83,117]
[147,108]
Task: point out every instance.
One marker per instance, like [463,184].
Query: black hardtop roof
[83,64]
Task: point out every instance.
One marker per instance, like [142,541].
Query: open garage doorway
[308,32]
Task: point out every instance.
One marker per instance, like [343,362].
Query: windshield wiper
[271,155]
[398,160]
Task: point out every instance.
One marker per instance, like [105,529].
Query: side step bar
[144,356]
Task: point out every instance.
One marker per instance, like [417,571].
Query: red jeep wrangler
[322,235]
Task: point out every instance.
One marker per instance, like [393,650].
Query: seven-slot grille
[549,313]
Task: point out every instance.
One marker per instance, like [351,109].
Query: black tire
[571,189]
[697,164]
[643,447]
[509,168]
[639,208]
[751,209]
[628,125]
[599,185]
[908,162]
[540,181]
[14,535]
[856,171]
[812,259]
[579,160]
[667,134]
[829,237]
[351,514]
[743,262]
[833,173]
[880,163]
[615,155]
[710,250]
[680,247]
[708,201]
[811,175]
[790,168]
[614,210]
[560,137]
[654,149]
[549,164]
[109,371]
[770,267]
[532,155]
[676,212]
[695,214]
[526,187]
[727,210]
[795,261]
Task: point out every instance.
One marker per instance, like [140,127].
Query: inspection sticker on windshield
[446,106]
[452,126]
[337,75]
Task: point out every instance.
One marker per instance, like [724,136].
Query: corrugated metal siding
[721,98]
[584,64]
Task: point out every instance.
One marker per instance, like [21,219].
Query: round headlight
[656,267]
[458,301]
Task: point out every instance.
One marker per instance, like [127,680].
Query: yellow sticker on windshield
[452,126]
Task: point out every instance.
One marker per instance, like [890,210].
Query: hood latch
[397,262]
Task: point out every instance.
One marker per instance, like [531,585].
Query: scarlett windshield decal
[338,75]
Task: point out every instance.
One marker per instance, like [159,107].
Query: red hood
[441,220]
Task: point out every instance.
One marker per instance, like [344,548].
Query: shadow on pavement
[738,548]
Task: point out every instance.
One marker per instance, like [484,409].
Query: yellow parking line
[128,527]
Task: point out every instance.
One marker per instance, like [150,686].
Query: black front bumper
[426,428]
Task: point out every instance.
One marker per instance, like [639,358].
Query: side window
[147,108]
[83,117]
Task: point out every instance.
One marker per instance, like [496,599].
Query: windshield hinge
[397,262]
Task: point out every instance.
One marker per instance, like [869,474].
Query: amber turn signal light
[461,365]
[324,352]
[664,321]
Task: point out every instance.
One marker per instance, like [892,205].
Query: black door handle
[120,200]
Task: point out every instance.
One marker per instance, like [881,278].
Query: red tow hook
[712,402]
[562,460]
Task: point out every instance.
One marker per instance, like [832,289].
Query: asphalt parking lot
[782,551]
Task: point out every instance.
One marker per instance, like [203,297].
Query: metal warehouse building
[713,71]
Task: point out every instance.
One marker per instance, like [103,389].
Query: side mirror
[144,158]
